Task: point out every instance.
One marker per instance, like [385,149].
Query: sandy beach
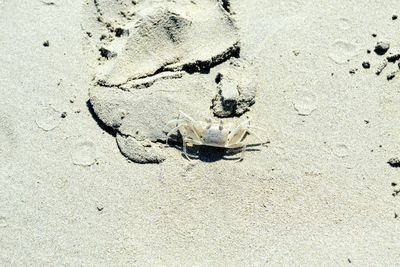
[92,90]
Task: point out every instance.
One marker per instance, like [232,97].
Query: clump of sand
[159,60]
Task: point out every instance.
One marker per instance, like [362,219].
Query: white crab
[210,133]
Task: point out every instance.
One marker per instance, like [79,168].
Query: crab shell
[213,134]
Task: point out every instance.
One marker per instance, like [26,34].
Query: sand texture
[88,87]
[143,81]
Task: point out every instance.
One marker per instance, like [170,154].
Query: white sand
[319,194]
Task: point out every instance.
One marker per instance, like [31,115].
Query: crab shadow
[211,154]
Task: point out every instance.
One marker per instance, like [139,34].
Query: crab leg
[185,151]
[242,154]
[191,142]
[174,121]
[191,125]
[237,130]
[186,115]
[256,135]
[171,132]
[258,128]
[242,147]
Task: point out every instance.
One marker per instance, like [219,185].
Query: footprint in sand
[47,118]
[341,51]
[305,103]
[155,59]
[84,153]
[340,150]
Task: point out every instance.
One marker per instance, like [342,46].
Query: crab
[211,133]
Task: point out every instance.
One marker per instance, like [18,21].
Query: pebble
[366,65]
[393,58]
[381,67]
[394,162]
[121,32]
[381,48]
[104,52]
[391,76]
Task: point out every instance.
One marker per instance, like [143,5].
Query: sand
[320,193]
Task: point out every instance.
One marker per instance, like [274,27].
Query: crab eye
[220,127]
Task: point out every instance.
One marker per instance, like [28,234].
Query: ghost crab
[221,134]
